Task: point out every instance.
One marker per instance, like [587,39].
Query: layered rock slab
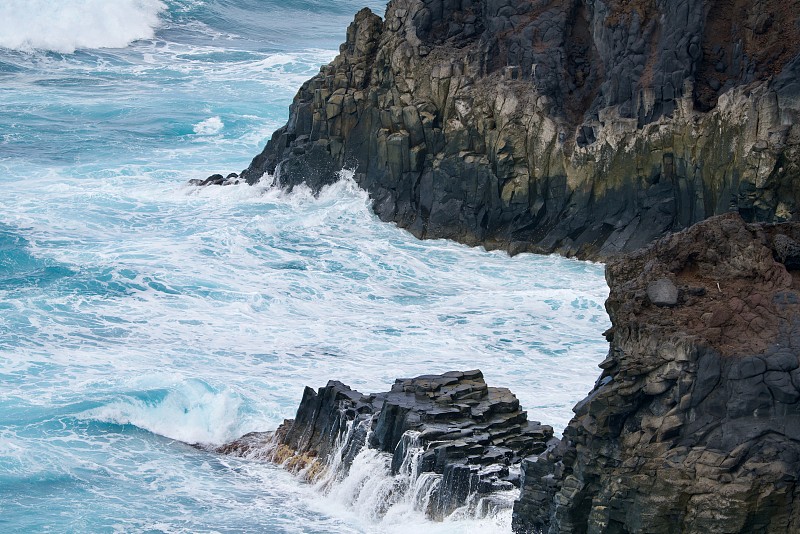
[694,423]
[586,128]
[452,425]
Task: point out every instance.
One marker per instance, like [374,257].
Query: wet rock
[216,179]
[467,433]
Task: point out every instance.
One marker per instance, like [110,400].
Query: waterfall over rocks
[441,444]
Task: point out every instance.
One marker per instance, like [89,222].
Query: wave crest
[190,411]
[68,25]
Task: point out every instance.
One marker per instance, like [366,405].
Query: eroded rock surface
[471,435]
[587,128]
[694,423]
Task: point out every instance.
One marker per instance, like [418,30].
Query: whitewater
[140,315]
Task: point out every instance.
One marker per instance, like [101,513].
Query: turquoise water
[139,315]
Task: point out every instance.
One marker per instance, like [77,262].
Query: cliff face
[583,127]
[594,128]
[694,424]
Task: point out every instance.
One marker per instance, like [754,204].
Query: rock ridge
[588,128]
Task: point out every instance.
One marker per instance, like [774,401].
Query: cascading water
[370,488]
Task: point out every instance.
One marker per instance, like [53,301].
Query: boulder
[662,292]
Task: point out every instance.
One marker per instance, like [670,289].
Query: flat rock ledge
[454,425]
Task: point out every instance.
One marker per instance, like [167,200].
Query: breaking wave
[69,25]
[190,411]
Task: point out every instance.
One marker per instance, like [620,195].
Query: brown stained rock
[696,416]
[735,266]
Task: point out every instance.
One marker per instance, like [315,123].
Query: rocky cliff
[694,423]
[593,128]
[583,127]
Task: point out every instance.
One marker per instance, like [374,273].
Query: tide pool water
[139,315]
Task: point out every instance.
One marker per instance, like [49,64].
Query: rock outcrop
[469,438]
[583,127]
[694,423]
[216,179]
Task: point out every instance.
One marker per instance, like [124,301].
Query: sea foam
[209,126]
[68,25]
[190,411]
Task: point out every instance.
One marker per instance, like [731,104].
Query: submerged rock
[467,437]
[217,179]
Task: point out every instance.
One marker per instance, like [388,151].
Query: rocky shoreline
[468,438]
[661,137]
[693,425]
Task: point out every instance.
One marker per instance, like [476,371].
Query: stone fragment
[662,292]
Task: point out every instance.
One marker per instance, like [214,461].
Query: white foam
[209,126]
[373,497]
[191,412]
[68,25]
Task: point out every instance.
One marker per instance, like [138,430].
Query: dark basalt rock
[584,128]
[662,292]
[467,432]
[694,423]
[217,179]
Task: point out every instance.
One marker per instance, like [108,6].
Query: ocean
[139,315]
